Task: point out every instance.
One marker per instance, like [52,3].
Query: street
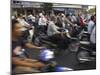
[67,59]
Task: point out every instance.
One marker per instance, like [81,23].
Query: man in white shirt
[22,21]
[91,25]
[42,19]
[28,34]
[42,23]
[52,29]
[31,19]
[56,36]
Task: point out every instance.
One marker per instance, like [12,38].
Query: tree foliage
[93,10]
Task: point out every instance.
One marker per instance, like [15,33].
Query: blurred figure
[31,19]
[63,20]
[22,21]
[93,32]
[80,20]
[19,59]
[93,36]
[42,23]
[28,34]
[58,20]
[52,28]
[91,25]
[56,36]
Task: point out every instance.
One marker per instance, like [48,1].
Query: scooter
[86,51]
[46,41]
[47,56]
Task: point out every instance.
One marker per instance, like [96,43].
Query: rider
[56,36]
[18,57]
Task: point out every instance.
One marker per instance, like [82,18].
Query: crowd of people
[58,27]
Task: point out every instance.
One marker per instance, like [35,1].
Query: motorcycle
[87,50]
[46,41]
[47,56]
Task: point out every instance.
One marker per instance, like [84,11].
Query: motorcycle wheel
[82,56]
